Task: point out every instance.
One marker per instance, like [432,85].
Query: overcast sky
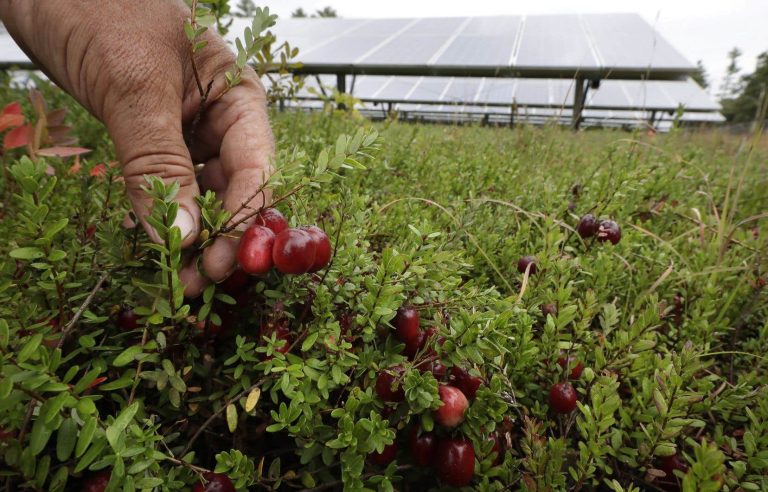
[701,29]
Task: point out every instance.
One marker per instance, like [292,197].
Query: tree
[700,76]
[744,107]
[299,12]
[728,88]
[245,8]
[326,12]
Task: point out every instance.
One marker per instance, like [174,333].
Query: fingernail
[185,223]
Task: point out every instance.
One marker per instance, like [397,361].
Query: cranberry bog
[472,327]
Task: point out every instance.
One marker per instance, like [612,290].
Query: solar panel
[622,46]
[627,41]
[551,41]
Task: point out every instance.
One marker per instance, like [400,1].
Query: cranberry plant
[502,309]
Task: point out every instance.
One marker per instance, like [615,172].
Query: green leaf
[126,356]
[29,253]
[29,348]
[115,430]
[86,436]
[39,437]
[66,439]
[231,417]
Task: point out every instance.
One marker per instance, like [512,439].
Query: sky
[700,29]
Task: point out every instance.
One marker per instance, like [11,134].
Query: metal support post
[341,86]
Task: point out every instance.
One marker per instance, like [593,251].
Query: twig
[218,412]
[83,307]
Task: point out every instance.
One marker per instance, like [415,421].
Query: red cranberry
[576,366]
[455,404]
[236,283]
[254,254]
[465,382]
[406,324]
[588,226]
[98,482]
[281,332]
[524,262]
[386,457]
[384,386]
[609,231]
[127,319]
[436,367]
[562,398]
[548,309]
[422,446]
[668,464]
[414,345]
[455,462]
[271,218]
[214,482]
[322,247]
[293,252]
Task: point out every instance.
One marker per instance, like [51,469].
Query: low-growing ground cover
[427,354]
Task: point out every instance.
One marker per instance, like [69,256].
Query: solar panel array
[612,94]
[597,45]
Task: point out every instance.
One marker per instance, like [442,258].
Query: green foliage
[671,324]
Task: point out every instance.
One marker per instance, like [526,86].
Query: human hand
[129,64]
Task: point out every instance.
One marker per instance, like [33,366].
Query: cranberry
[436,367]
[90,231]
[406,324]
[254,254]
[127,319]
[281,332]
[455,404]
[524,262]
[322,247]
[668,464]
[214,482]
[271,218]
[236,283]
[588,226]
[294,251]
[548,309]
[562,398]
[465,382]
[576,366]
[384,386]
[386,457]
[609,231]
[414,345]
[455,461]
[422,446]
[98,482]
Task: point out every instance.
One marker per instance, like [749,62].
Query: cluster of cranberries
[270,242]
[452,457]
[603,230]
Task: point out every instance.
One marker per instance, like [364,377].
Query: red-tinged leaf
[62,151]
[10,121]
[99,170]
[97,381]
[56,117]
[12,108]
[58,131]
[38,103]
[18,137]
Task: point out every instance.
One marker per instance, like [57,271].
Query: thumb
[153,145]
